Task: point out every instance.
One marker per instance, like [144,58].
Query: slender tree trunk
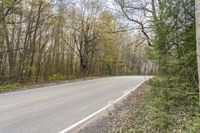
[197,5]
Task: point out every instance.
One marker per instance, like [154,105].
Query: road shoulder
[116,116]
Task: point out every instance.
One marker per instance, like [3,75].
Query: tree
[197,3]
[42,40]
[139,13]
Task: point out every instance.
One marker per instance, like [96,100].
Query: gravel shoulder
[117,116]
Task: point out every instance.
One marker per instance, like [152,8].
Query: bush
[175,101]
[9,87]
[158,82]
[169,107]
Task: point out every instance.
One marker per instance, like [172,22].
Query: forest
[44,40]
[48,40]
[173,103]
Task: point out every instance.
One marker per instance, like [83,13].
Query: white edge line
[102,109]
[119,99]
[84,120]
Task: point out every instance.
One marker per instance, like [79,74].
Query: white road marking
[85,119]
[119,99]
[102,109]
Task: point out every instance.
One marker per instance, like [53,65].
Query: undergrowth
[9,87]
[168,108]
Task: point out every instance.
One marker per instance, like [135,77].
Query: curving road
[52,109]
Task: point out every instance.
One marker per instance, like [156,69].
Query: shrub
[170,106]
[9,87]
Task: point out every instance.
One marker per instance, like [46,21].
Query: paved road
[52,109]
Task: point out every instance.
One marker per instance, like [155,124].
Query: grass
[9,87]
[167,108]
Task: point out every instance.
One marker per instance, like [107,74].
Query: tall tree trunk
[197,5]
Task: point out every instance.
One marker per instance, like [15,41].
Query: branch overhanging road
[55,108]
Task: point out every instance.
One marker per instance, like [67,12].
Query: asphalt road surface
[52,109]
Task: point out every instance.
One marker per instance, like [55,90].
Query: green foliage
[9,87]
[56,77]
[180,101]
[175,38]
[158,81]
[168,107]
[194,123]
[174,100]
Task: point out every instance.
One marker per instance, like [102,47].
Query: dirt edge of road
[116,116]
